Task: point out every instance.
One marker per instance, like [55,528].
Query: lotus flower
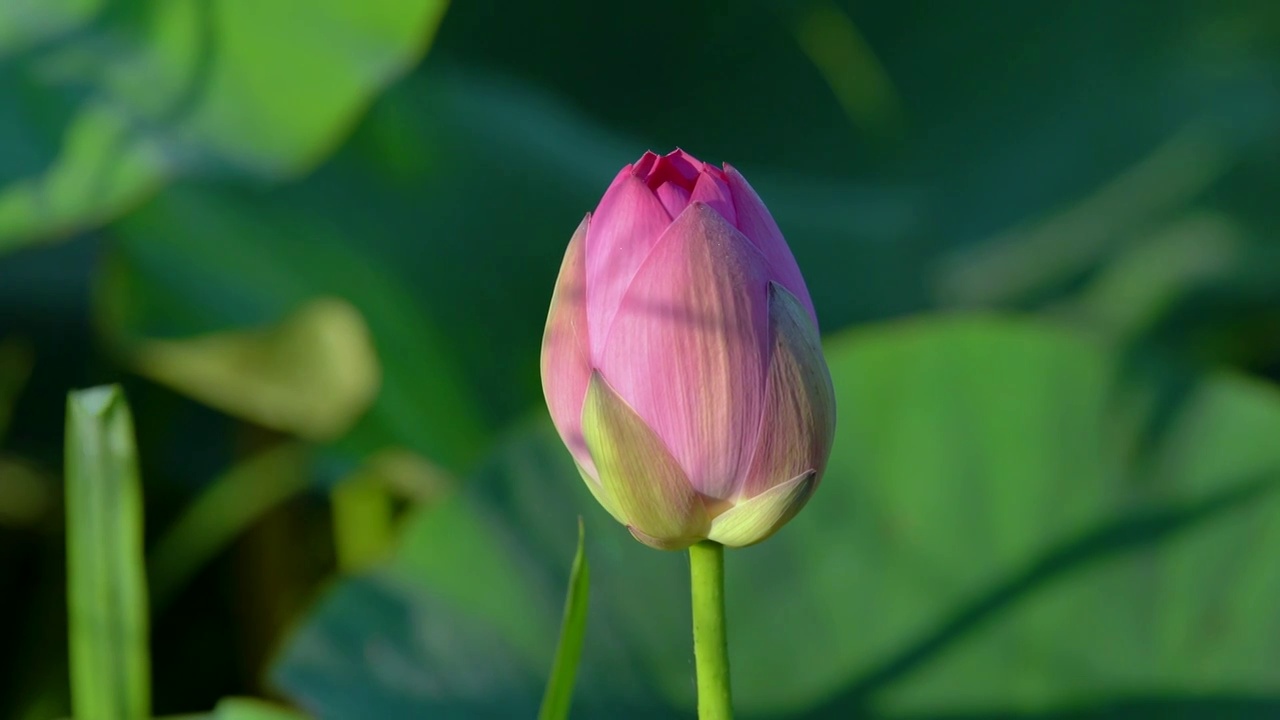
[681,361]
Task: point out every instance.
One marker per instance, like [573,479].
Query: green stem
[710,642]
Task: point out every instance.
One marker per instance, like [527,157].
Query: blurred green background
[315,241]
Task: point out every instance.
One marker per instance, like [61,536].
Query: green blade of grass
[106,582]
[559,694]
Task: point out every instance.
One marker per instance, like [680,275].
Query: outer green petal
[679,543]
[648,488]
[751,521]
[600,494]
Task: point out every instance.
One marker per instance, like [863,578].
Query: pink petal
[688,163]
[714,191]
[686,349]
[799,417]
[757,224]
[566,367]
[644,165]
[674,198]
[624,228]
[677,167]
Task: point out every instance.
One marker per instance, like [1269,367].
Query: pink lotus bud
[681,360]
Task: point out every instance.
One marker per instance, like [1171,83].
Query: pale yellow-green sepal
[600,494]
[751,521]
[649,491]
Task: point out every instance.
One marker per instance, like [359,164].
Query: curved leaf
[991,537]
[194,87]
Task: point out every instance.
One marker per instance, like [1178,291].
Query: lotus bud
[681,360]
